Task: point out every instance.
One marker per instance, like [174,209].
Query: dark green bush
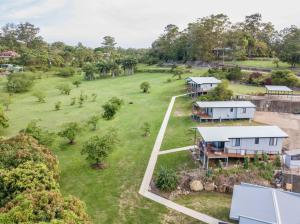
[166,179]
[19,82]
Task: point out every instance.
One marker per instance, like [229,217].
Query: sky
[134,23]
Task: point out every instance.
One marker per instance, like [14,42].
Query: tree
[128,65]
[77,82]
[146,129]
[97,148]
[89,69]
[284,77]
[166,179]
[19,82]
[40,96]
[178,71]
[64,88]
[93,121]
[234,74]
[276,62]
[66,72]
[3,119]
[70,131]
[290,47]
[111,107]
[220,93]
[108,44]
[145,86]
[43,136]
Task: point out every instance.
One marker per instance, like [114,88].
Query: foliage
[43,136]
[93,121]
[146,129]
[265,157]
[28,176]
[284,77]
[81,99]
[3,119]
[22,148]
[246,163]
[44,207]
[178,71]
[70,131]
[94,97]
[166,179]
[219,93]
[111,107]
[276,62]
[57,105]
[6,101]
[66,72]
[64,88]
[73,101]
[277,161]
[234,74]
[77,82]
[19,82]
[89,71]
[98,148]
[145,86]
[40,95]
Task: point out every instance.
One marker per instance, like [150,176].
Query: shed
[278,90]
[292,159]
[254,204]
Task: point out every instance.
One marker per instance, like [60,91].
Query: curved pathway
[145,186]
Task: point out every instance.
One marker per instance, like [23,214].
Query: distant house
[238,142]
[200,85]
[278,90]
[253,204]
[292,159]
[223,110]
[6,55]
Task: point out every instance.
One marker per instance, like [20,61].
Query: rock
[209,186]
[196,185]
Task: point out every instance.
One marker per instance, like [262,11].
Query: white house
[223,110]
[201,85]
[253,204]
[238,142]
[292,159]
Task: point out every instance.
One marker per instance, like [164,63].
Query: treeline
[36,53]
[212,37]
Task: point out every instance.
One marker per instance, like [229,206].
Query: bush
[40,96]
[70,131]
[73,101]
[57,105]
[145,86]
[284,77]
[166,179]
[234,74]
[66,72]
[146,129]
[19,82]
[64,89]
[111,107]
[246,163]
[76,83]
[221,92]
[3,119]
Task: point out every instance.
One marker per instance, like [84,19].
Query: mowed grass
[111,195]
[260,64]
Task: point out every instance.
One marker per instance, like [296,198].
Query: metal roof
[278,88]
[293,152]
[214,134]
[204,80]
[225,104]
[264,205]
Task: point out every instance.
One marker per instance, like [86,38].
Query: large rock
[209,186]
[196,185]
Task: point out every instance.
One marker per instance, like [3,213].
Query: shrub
[40,96]
[73,101]
[145,86]
[64,89]
[166,179]
[111,107]
[221,92]
[246,163]
[76,83]
[146,129]
[66,72]
[94,97]
[57,105]
[234,73]
[3,119]
[70,131]
[93,121]
[19,82]
[284,77]
[277,161]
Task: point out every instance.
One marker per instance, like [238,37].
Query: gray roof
[211,134]
[258,204]
[203,80]
[225,104]
[293,152]
[278,88]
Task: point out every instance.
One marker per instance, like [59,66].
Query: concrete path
[177,150]
[145,186]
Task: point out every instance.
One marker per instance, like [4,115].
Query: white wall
[248,144]
[237,113]
[202,88]
[291,163]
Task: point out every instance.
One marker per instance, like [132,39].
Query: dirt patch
[290,123]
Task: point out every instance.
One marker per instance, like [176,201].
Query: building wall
[202,88]
[291,163]
[248,144]
[237,113]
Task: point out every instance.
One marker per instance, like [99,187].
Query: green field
[111,195]
[260,64]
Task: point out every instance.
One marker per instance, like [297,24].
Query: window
[211,85]
[273,141]
[237,142]
[231,109]
[256,141]
[295,157]
[244,110]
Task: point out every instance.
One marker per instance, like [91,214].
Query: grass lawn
[111,195]
[244,89]
[210,203]
[260,64]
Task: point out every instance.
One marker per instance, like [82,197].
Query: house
[238,142]
[253,204]
[223,110]
[6,55]
[292,159]
[200,85]
[278,90]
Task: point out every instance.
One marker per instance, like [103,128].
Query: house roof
[278,88]
[8,54]
[203,80]
[293,152]
[212,134]
[264,205]
[224,104]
